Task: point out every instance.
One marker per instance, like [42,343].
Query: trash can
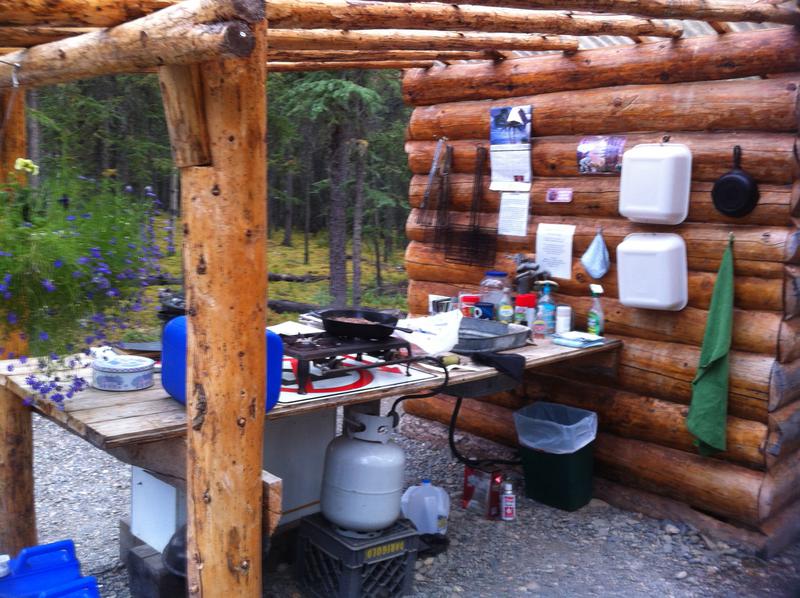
[557,450]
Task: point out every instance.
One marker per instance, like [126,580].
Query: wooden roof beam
[108,13]
[753,11]
[293,67]
[376,55]
[404,39]
[356,14]
[165,37]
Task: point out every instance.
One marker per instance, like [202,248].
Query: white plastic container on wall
[655,183]
[652,271]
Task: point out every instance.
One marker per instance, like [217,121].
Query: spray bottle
[595,318]
[547,306]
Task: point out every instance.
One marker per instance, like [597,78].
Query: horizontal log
[367,65]
[781,486]
[784,385]
[108,13]
[784,433]
[406,39]
[705,243]
[661,507]
[425,262]
[690,59]
[649,419]
[755,331]
[25,37]
[599,197]
[746,104]
[666,370]
[703,10]
[709,484]
[781,531]
[354,14]
[767,157]
[720,488]
[165,37]
[375,55]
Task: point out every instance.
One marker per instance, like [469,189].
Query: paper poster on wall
[510,148]
[554,248]
[559,195]
[513,218]
[600,154]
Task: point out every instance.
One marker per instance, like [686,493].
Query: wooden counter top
[114,419]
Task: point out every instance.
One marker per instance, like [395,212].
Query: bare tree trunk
[358,216]
[337,215]
[376,239]
[34,135]
[174,193]
[390,221]
[307,226]
[288,207]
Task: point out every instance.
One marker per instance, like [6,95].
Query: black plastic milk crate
[331,565]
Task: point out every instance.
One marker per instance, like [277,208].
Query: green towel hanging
[708,412]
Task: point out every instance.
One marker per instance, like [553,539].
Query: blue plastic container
[85,587]
[40,568]
[173,362]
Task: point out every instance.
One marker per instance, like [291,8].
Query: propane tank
[364,477]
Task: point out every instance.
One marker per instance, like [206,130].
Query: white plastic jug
[427,506]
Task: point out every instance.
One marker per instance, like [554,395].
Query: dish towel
[709,407]
[509,364]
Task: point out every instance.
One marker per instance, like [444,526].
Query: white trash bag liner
[554,428]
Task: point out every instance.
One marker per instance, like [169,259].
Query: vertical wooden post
[17,514]
[225,219]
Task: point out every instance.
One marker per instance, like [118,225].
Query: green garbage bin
[557,450]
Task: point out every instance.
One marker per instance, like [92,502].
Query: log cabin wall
[644,92]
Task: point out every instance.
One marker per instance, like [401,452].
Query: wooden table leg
[17,512]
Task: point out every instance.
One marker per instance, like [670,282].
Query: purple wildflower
[43,336]
[58,263]
[48,285]
[11,317]
[71,217]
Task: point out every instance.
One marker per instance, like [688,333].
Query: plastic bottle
[493,287]
[595,318]
[563,319]
[508,503]
[427,506]
[505,309]
[547,309]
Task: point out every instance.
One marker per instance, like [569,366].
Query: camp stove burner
[327,353]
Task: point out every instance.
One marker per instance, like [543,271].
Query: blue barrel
[173,362]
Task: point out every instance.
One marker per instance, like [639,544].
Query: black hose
[423,395]
[451,430]
[467,460]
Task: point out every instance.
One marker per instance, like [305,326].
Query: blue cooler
[39,571]
[173,362]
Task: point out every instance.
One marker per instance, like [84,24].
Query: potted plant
[75,255]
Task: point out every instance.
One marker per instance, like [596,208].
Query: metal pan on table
[378,325]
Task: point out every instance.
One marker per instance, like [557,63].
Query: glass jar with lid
[494,286]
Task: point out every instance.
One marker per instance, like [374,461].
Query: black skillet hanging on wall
[735,193]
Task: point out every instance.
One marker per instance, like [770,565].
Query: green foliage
[69,253]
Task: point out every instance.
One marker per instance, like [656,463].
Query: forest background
[337,173]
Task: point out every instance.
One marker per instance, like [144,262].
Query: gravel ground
[81,493]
